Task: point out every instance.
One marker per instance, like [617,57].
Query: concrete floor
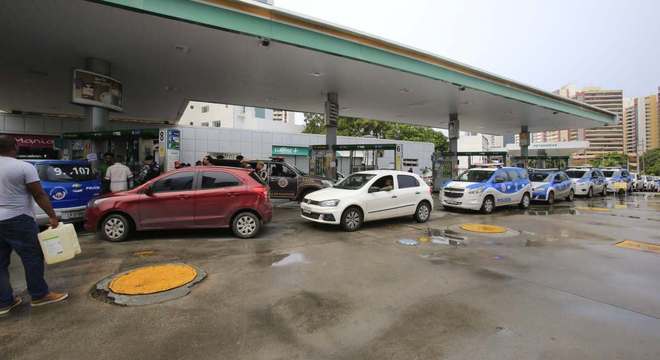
[559,289]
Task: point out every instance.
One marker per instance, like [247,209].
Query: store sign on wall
[34,141]
[290,150]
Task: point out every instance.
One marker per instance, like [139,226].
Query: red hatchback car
[189,198]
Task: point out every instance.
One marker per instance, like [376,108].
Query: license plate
[451,202]
[67,215]
[620,185]
[306,212]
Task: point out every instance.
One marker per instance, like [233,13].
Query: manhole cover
[150,284]
[483,228]
[153,279]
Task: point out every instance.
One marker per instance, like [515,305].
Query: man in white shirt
[19,185]
[119,175]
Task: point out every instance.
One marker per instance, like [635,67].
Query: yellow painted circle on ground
[153,279]
[484,228]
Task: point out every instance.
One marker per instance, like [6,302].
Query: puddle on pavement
[291,259]
[408,242]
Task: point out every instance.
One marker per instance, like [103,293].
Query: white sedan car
[369,195]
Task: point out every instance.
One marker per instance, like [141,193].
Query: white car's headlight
[329,203]
[475,191]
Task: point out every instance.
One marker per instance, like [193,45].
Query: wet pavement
[554,286]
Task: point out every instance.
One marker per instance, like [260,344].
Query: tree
[610,160]
[315,124]
[650,162]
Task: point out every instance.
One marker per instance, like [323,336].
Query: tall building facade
[631,129]
[652,122]
[604,139]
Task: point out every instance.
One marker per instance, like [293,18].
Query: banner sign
[34,141]
[290,150]
[97,90]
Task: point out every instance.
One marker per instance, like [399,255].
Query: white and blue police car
[485,188]
[588,181]
[618,180]
[549,185]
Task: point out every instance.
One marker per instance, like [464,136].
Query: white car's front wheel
[351,219]
[423,212]
[488,205]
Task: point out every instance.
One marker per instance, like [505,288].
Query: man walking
[119,176]
[19,184]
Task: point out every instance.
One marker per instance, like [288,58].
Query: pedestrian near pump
[119,176]
[150,169]
[260,169]
[104,164]
[19,185]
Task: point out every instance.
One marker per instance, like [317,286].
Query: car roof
[45,161]
[385,172]
[212,168]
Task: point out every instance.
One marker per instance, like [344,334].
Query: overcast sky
[543,43]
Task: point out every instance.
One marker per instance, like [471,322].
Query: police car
[488,187]
[588,181]
[551,184]
[618,180]
[69,184]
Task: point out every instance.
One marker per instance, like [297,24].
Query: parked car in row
[549,185]
[588,181]
[618,180]
[648,183]
[486,188]
[367,196]
[189,198]
[285,180]
[70,184]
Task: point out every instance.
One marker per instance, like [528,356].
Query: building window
[260,113]
[205,108]
[217,123]
[205,124]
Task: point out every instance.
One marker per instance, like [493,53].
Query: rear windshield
[539,177]
[475,176]
[576,174]
[65,173]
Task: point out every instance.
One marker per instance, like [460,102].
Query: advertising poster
[97,90]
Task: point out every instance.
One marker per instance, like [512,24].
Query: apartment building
[652,121]
[604,139]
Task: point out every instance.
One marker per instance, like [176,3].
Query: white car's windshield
[539,177]
[610,173]
[576,174]
[354,181]
[475,176]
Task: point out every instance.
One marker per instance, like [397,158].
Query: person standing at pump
[149,170]
[108,160]
[119,176]
[19,186]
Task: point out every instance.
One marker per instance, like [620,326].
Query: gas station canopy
[167,52]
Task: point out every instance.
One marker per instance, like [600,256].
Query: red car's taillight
[264,192]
